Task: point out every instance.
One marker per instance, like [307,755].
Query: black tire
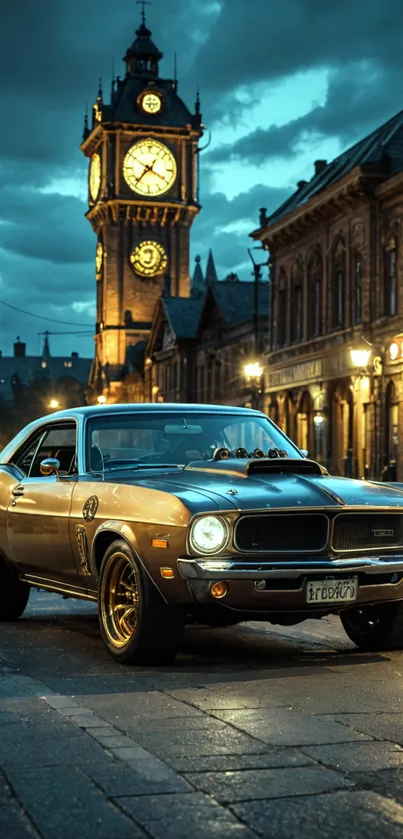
[14,594]
[378,627]
[148,631]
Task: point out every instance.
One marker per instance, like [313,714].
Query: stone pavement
[252,732]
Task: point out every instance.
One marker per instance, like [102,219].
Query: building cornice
[335,199]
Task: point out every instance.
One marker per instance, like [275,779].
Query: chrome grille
[356,531]
[282,533]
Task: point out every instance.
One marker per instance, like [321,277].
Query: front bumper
[279,586]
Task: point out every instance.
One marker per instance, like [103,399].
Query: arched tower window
[390,278]
[297,308]
[282,309]
[338,283]
[315,276]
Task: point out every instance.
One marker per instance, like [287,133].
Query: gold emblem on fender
[90,508]
[82,543]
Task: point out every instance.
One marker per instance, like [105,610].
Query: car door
[39,507]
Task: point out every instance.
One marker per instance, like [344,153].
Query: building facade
[199,347]
[335,361]
[142,148]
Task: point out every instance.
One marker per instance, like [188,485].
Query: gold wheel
[120,598]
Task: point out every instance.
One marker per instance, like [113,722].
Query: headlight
[208,535]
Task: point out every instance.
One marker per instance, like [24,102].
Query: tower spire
[143,56]
[143,4]
[197,106]
[86,128]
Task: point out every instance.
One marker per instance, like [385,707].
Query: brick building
[336,249]
[199,346]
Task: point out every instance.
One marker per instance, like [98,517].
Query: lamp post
[360,355]
[253,373]
[257,275]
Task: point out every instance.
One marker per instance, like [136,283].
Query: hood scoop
[242,468]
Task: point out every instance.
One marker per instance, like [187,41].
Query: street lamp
[54,404]
[253,373]
[101,400]
[360,354]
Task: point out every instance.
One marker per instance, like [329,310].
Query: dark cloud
[51,56]
[254,41]
[360,97]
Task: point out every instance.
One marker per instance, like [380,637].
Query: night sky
[282,83]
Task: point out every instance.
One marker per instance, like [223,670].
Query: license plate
[332,590]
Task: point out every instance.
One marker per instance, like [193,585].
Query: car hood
[225,487]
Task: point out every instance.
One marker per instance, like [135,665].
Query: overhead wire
[42,317]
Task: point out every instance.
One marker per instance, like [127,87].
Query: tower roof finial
[198,100]
[143,4]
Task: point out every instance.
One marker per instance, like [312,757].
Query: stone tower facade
[142,149]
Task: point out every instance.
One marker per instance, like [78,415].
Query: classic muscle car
[168,513]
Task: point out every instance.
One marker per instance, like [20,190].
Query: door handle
[18,491]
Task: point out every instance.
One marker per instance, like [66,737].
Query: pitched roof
[235,300]
[382,148]
[183,314]
[211,273]
[124,107]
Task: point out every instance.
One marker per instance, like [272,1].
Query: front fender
[174,590]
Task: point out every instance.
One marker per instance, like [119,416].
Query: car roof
[154,407]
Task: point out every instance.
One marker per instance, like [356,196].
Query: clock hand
[147,168]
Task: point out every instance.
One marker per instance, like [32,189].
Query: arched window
[356,288]
[391,442]
[303,418]
[337,278]
[297,308]
[390,278]
[314,294]
[282,309]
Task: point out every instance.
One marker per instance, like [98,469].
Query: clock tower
[142,149]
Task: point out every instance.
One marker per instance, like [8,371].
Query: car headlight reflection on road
[208,535]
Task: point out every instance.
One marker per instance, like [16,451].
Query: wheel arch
[108,533]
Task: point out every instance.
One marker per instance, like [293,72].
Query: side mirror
[50,466]
[304,452]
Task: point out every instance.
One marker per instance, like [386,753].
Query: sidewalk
[246,735]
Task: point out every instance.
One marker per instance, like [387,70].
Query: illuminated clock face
[95,176]
[99,255]
[151,103]
[149,168]
[148,258]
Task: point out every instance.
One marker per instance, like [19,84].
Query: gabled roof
[382,149]
[235,300]
[183,314]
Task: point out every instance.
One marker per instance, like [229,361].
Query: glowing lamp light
[318,419]
[394,351]
[253,370]
[361,354]
[101,400]
[54,404]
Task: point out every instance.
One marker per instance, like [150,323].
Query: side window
[55,441]
[24,456]
[59,442]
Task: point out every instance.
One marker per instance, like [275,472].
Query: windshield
[119,440]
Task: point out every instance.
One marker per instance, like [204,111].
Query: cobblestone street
[252,732]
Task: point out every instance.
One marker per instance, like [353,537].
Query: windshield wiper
[143,466]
